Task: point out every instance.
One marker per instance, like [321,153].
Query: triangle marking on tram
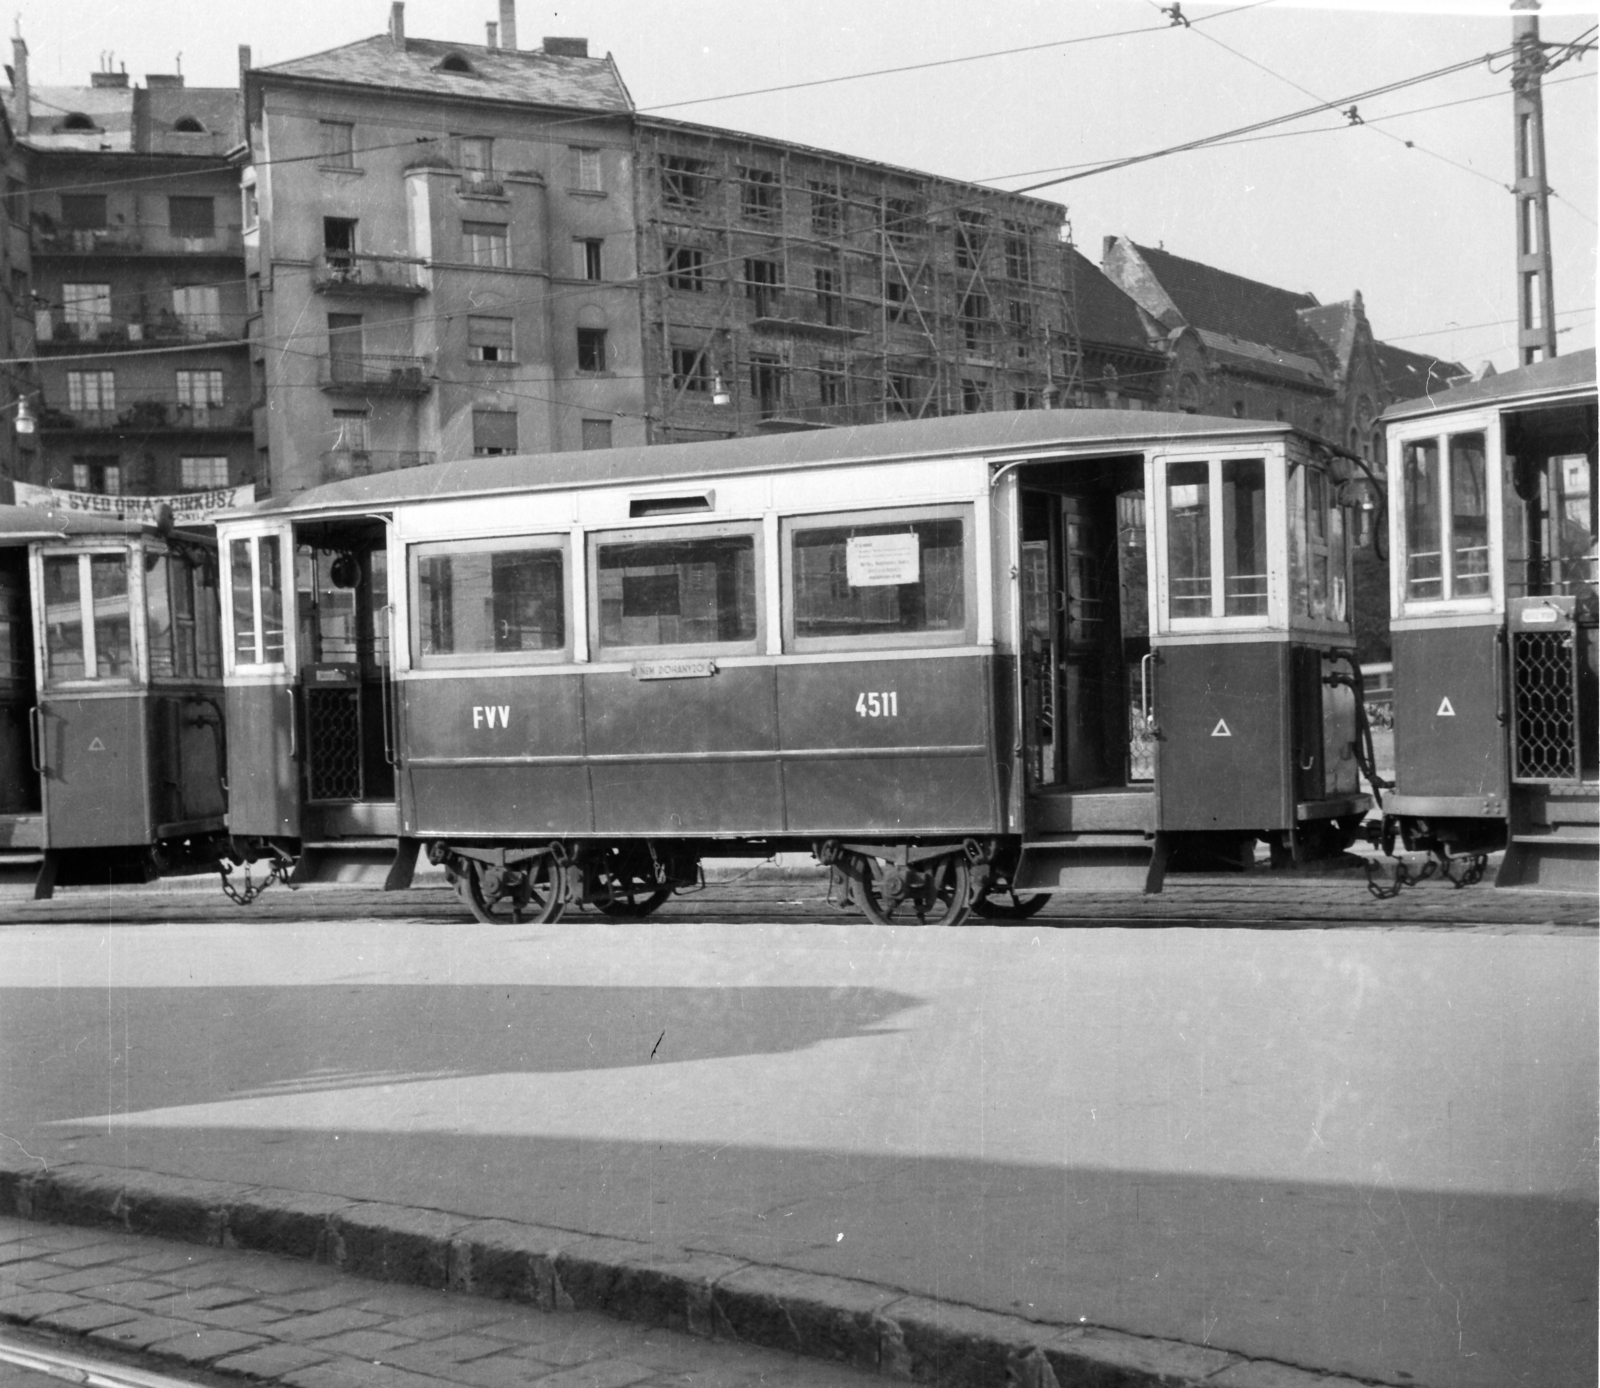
[1222,729]
[97,746]
[1446,708]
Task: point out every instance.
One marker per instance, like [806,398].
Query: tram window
[1424,545]
[1447,517]
[87,635]
[1469,516]
[255,566]
[698,591]
[1244,537]
[496,602]
[63,616]
[878,579]
[180,612]
[1189,539]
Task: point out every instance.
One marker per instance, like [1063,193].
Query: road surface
[1365,1151]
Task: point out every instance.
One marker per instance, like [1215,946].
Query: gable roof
[525,76]
[1409,375]
[1230,304]
[1334,325]
[1107,317]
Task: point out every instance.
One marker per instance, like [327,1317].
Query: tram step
[1123,864]
[387,863]
[20,869]
[1561,862]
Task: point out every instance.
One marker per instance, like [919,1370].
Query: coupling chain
[278,872]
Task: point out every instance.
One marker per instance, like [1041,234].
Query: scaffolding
[788,288]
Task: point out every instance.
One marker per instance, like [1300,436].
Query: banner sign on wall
[188,508]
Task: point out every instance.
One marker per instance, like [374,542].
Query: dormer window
[453,62]
[188,125]
[76,120]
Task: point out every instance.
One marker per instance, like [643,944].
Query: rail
[354,272]
[146,409]
[135,238]
[74,327]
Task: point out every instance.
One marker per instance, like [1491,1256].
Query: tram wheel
[514,896]
[1009,905]
[936,894]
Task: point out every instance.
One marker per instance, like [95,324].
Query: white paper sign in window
[877,561]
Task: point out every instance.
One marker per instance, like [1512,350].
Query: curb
[814,1315]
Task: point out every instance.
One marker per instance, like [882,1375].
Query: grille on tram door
[333,743]
[1544,701]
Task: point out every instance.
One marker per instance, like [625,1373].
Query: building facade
[442,240]
[137,289]
[786,287]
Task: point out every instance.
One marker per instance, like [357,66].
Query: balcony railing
[66,328]
[363,462]
[135,238]
[476,185]
[148,410]
[808,311]
[364,374]
[349,272]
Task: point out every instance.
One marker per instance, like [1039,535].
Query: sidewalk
[464,1312]
[261,1318]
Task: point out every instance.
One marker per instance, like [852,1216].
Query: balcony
[364,374]
[134,239]
[63,330]
[147,411]
[348,272]
[808,311]
[479,185]
[340,463]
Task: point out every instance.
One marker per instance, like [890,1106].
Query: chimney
[244,63]
[508,24]
[108,79]
[566,48]
[494,34]
[397,23]
[19,84]
[155,81]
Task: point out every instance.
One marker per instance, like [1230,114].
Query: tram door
[342,612]
[1084,631]
[19,781]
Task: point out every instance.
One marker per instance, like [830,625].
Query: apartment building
[137,283]
[788,287]
[442,239]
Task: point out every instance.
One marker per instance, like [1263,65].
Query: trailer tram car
[945,656]
[1492,533]
[112,759]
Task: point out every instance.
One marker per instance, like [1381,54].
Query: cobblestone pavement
[201,1312]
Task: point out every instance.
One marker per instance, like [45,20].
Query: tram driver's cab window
[180,591]
[885,578]
[1552,526]
[87,632]
[1216,556]
[1445,482]
[255,567]
[1319,546]
[668,590]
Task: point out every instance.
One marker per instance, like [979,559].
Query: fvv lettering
[491,715]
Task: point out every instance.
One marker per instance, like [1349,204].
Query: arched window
[188,125]
[453,62]
[76,120]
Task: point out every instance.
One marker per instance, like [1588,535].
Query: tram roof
[1555,377]
[1003,433]
[19,524]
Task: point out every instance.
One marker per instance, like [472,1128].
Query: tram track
[1249,902]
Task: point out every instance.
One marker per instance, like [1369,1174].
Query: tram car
[112,754]
[952,658]
[1492,536]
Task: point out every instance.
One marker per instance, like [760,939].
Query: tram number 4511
[885,705]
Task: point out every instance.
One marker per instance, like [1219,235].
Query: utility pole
[1536,296]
